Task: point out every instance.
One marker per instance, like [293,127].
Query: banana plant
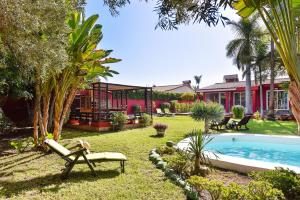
[281,17]
[86,62]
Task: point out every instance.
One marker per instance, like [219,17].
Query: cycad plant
[195,150]
[206,112]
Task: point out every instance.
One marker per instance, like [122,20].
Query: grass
[33,175]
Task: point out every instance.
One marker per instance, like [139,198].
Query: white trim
[276,93]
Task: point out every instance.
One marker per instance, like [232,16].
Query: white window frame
[276,93]
[240,98]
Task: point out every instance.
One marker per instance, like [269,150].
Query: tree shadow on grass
[20,161]
[156,136]
[71,133]
[52,182]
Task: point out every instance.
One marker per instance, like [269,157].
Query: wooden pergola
[98,103]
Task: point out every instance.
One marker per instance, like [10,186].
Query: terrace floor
[33,175]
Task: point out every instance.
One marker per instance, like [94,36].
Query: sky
[156,57]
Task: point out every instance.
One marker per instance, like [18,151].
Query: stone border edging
[190,192]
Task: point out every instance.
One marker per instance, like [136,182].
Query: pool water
[263,149]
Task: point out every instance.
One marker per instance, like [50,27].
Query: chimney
[187,82]
[231,78]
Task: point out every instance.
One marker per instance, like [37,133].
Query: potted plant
[160,129]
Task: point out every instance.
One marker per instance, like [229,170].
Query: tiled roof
[173,88]
[233,85]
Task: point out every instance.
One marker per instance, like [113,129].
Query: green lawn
[33,175]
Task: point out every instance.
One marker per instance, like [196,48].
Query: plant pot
[160,132]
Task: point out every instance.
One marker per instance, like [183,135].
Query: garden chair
[159,112]
[238,125]
[82,156]
[168,113]
[219,124]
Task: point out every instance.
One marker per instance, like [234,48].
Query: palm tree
[198,81]
[243,48]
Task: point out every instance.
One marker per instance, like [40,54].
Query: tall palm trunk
[46,104]
[248,91]
[271,113]
[261,94]
[294,94]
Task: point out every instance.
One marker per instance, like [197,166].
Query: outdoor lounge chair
[168,113]
[238,125]
[159,112]
[219,124]
[82,156]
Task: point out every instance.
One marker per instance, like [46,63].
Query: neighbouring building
[232,92]
[184,87]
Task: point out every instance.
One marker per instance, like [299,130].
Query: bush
[257,115]
[160,126]
[136,109]
[283,179]
[188,97]
[165,105]
[145,120]
[256,190]
[238,112]
[180,164]
[207,112]
[6,125]
[184,107]
[119,120]
[165,150]
[173,105]
[22,144]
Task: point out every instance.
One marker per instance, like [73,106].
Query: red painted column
[227,102]
[254,102]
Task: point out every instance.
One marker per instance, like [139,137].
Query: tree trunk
[294,94]
[67,106]
[37,106]
[271,113]
[206,126]
[261,94]
[197,165]
[56,119]
[248,92]
[51,112]
[46,104]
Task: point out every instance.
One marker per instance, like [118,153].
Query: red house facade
[232,92]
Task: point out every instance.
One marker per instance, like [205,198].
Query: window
[281,101]
[239,98]
[214,97]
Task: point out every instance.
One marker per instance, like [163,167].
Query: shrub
[136,109]
[238,112]
[180,164]
[145,120]
[173,106]
[165,150]
[257,115]
[188,96]
[22,144]
[184,107]
[256,190]
[6,125]
[283,179]
[165,105]
[119,120]
[207,112]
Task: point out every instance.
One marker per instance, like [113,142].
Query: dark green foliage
[136,109]
[118,120]
[165,105]
[283,179]
[256,190]
[184,107]
[188,96]
[145,120]
[238,112]
[22,144]
[6,125]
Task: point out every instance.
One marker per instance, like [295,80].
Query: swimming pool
[252,152]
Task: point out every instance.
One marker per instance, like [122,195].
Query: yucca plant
[195,150]
[281,17]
